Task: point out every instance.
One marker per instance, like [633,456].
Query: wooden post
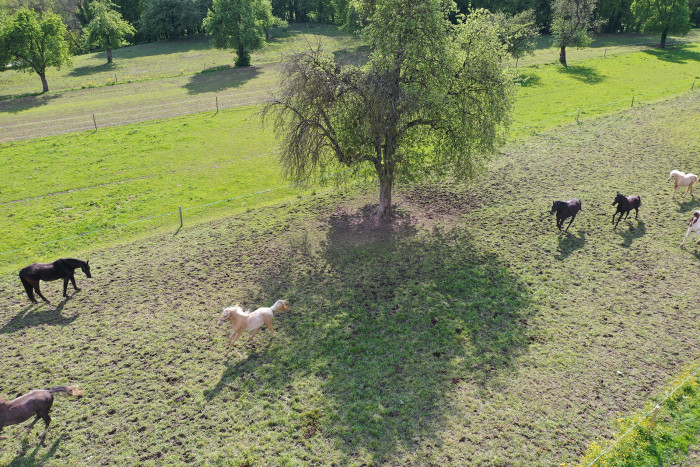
[693,86]
[606,53]
[632,102]
[577,115]
[115,78]
[217,104]
[653,419]
[180,209]
[94,121]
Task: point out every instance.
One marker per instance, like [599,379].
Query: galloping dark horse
[37,402]
[624,205]
[62,269]
[564,210]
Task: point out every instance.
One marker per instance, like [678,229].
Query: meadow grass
[467,332]
[64,186]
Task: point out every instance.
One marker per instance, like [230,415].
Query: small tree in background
[169,19]
[239,25]
[662,17]
[518,32]
[432,99]
[34,43]
[106,29]
[572,24]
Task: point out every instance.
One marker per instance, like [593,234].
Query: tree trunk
[109,55]
[663,40]
[562,55]
[384,210]
[43,82]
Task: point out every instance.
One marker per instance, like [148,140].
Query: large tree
[33,42]
[240,25]
[107,29]
[168,19]
[518,32]
[433,97]
[662,17]
[572,24]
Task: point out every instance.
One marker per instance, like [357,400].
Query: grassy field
[150,88]
[64,186]
[470,332]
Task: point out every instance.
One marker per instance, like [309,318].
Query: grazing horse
[683,179]
[62,269]
[624,205]
[564,210]
[245,321]
[694,227]
[37,402]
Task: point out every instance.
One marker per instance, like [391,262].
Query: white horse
[694,227]
[247,321]
[682,179]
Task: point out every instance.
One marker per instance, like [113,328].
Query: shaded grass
[469,333]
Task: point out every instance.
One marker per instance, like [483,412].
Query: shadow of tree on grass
[388,321]
[91,70]
[680,54]
[582,73]
[220,80]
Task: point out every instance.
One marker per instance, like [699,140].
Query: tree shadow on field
[91,70]
[632,233]
[220,80]
[582,73]
[680,54]
[38,314]
[23,459]
[570,243]
[389,321]
[22,103]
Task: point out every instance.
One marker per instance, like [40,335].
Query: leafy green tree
[30,42]
[572,24]
[433,98]
[518,32]
[168,19]
[615,15]
[662,17]
[107,29]
[240,25]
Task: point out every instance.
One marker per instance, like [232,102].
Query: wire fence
[644,417]
[20,128]
[690,86]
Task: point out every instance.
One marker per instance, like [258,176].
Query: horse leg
[686,236]
[31,425]
[232,340]
[636,213]
[268,325]
[72,279]
[47,420]
[254,333]
[613,221]
[570,222]
[65,287]
[38,292]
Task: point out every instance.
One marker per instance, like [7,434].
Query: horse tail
[27,286]
[70,390]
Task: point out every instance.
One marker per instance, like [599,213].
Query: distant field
[470,332]
[60,187]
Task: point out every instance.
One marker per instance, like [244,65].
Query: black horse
[62,269]
[564,210]
[624,205]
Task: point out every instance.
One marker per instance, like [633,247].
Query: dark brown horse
[62,269]
[564,210]
[624,205]
[37,402]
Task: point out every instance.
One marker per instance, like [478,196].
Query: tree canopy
[240,25]
[572,24]
[433,97]
[107,29]
[33,42]
[662,17]
[168,19]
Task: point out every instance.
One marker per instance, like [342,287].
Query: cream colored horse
[682,179]
[245,321]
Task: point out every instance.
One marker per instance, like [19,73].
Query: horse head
[281,305]
[619,198]
[228,313]
[556,206]
[675,174]
[86,269]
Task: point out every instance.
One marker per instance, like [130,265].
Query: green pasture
[469,332]
[64,186]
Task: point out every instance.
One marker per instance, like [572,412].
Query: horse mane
[3,400]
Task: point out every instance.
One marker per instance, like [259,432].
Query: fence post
[115,78]
[653,419]
[94,121]
[180,209]
[606,53]
[632,102]
[693,86]
[577,115]
[217,104]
